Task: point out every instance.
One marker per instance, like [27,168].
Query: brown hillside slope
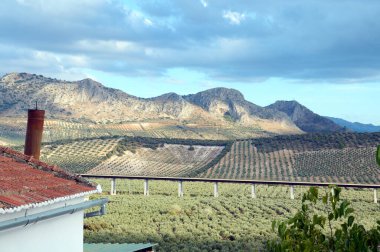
[90,100]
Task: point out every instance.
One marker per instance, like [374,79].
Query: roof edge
[48,202]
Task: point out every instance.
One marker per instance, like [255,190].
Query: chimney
[34,132]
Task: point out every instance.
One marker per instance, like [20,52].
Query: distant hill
[86,99]
[231,105]
[355,126]
[90,101]
[317,157]
[306,119]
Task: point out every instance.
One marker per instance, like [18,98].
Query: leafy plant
[378,155]
[335,230]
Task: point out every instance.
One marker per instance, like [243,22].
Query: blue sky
[324,54]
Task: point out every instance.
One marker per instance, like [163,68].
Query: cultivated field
[78,156]
[12,130]
[134,156]
[200,222]
[314,157]
[170,160]
[339,157]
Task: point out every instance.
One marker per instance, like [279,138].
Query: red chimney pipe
[34,132]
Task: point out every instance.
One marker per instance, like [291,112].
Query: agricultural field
[78,156]
[134,155]
[341,157]
[344,157]
[169,159]
[12,130]
[224,133]
[198,221]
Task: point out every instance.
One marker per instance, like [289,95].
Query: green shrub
[335,230]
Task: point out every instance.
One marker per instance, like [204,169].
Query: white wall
[63,233]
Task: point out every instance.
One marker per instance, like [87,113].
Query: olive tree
[333,230]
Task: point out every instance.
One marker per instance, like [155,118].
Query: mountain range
[304,118]
[355,126]
[90,100]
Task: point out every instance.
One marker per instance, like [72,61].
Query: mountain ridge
[355,126]
[306,119]
[91,100]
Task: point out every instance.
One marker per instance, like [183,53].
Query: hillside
[12,130]
[304,118]
[338,157]
[355,126]
[170,159]
[85,99]
[231,105]
[91,101]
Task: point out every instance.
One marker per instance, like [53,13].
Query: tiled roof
[26,182]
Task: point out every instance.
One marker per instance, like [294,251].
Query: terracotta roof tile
[25,180]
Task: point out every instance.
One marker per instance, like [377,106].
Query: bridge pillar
[375,195]
[113,186]
[333,191]
[146,187]
[216,191]
[180,188]
[253,191]
[291,192]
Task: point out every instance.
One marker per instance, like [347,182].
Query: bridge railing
[216,182]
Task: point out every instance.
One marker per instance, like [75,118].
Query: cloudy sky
[324,54]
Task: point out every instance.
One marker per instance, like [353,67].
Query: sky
[324,54]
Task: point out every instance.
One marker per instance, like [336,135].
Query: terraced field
[78,156]
[168,160]
[313,157]
[133,156]
[12,130]
[338,163]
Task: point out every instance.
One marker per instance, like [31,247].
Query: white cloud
[107,46]
[234,17]
[148,22]
[136,18]
[243,40]
[67,8]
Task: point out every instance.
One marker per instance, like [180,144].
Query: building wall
[60,234]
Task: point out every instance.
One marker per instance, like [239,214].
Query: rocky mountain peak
[292,103]
[89,82]
[221,93]
[207,97]
[291,108]
[10,77]
[89,99]
[168,97]
[304,118]
[15,78]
